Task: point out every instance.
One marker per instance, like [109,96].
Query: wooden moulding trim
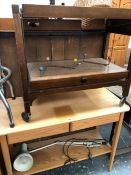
[79,86]
[91,78]
[74,12]
[34,94]
[52,25]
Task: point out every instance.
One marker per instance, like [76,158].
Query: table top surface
[60,108]
[67,69]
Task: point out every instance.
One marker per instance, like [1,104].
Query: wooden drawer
[81,81]
[37,133]
[86,123]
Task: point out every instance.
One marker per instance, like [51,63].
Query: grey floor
[122,163]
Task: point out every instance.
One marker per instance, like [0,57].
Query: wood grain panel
[52,25]
[91,44]
[9,59]
[57,46]
[116,3]
[7,24]
[118,44]
[31,49]
[111,39]
[41,132]
[125,4]
[120,47]
[74,12]
[120,41]
[37,48]
[90,122]
[118,56]
[71,47]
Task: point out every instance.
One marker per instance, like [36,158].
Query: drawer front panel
[37,133]
[77,81]
[86,123]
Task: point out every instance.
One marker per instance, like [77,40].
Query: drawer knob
[83,80]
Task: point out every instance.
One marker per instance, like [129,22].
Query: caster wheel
[26,116]
[13,98]
[122,101]
[12,125]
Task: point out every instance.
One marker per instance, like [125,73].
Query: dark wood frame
[118,21]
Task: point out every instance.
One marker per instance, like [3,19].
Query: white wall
[5,5]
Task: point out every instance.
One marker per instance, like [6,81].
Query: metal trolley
[5,73]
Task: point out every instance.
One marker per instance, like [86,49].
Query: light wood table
[57,114]
[1,162]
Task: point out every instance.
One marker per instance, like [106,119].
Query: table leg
[6,155]
[115,140]
[112,132]
[1,165]
[0,172]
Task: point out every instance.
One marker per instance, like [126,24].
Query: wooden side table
[57,114]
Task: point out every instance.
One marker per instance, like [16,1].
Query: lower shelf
[53,157]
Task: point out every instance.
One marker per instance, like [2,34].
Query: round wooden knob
[83,80]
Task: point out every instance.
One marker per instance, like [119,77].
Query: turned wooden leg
[27,114]
[115,140]
[6,155]
[125,91]
[27,107]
